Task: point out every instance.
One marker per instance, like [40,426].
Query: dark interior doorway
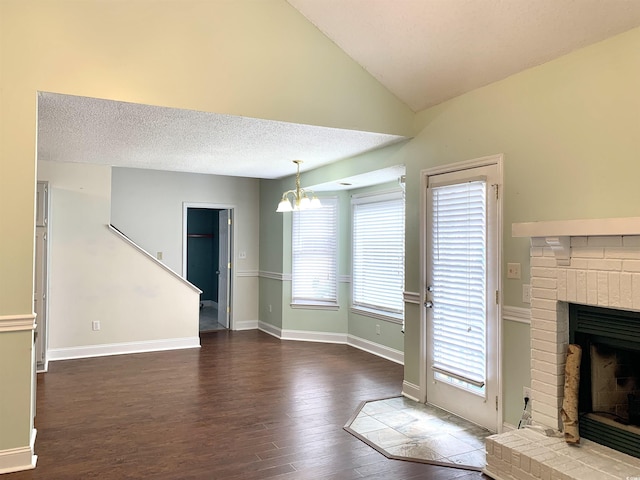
[203,243]
[207,259]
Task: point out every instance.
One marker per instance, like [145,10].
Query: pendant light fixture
[298,199]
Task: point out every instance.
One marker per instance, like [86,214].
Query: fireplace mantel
[557,233]
[578,228]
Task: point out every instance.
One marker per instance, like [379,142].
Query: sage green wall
[364,327]
[271,290]
[271,225]
[516,368]
[310,320]
[271,301]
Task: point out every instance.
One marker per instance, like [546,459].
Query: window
[378,255]
[315,260]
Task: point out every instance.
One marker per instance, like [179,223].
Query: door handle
[428,304]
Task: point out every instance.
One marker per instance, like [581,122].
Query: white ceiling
[423,51]
[428,51]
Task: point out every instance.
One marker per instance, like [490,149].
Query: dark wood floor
[244,406]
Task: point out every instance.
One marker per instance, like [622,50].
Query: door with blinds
[461,300]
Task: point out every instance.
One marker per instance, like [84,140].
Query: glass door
[462,293]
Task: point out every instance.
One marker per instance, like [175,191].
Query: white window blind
[315,258]
[378,254]
[459,281]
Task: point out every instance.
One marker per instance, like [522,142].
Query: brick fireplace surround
[591,262]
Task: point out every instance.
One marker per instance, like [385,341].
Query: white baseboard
[310,336]
[411,391]
[329,337]
[245,324]
[270,329]
[54,354]
[302,335]
[19,459]
[380,350]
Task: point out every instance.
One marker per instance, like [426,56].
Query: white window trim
[315,305]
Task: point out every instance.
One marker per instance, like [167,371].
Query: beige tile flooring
[406,430]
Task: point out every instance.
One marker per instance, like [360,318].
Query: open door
[224,267]
[207,261]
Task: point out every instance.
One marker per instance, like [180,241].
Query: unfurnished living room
[319,239]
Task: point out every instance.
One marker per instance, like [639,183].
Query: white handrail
[119,234]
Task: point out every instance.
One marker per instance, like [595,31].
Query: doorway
[40,293]
[207,262]
[462,290]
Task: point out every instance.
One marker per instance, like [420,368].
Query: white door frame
[424,175]
[41,277]
[232,249]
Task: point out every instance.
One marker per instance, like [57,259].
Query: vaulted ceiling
[423,51]
[428,51]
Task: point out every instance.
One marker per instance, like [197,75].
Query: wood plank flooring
[244,406]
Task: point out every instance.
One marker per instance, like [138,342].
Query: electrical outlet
[159,255]
[526,392]
[270,309]
[95,325]
[513,270]
[526,293]
[377,329]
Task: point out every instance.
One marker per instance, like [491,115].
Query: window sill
[315,305]
[380,315]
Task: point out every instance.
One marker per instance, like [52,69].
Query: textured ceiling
[90,130]
[428,51]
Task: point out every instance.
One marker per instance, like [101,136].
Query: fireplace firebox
[609,397]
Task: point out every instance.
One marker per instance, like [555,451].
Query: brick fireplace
[586,262]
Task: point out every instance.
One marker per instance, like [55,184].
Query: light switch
[513,270]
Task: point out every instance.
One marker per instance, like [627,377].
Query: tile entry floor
[209,319]
[402,429]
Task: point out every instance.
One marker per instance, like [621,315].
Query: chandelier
[298,199]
